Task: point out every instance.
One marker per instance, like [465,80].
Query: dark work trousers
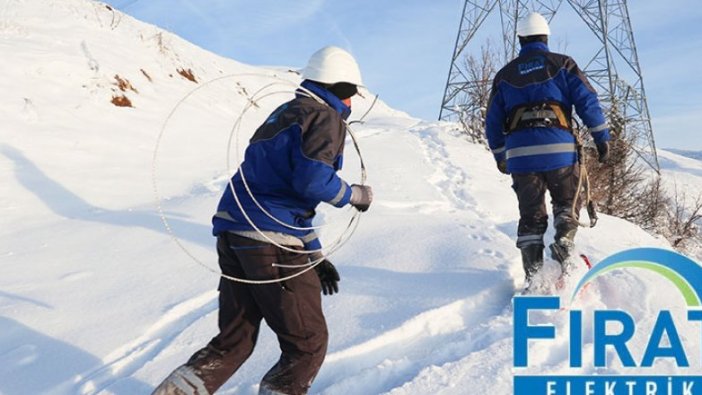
[531,188]
[292,309]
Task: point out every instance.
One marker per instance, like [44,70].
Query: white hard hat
[533,25]
[330,65]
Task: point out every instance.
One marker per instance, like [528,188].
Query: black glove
[328,276]
[502,166]
[361,196]
[603,151]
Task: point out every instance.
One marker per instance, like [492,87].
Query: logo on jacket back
[532,64]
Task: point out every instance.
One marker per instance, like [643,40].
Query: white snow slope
[97,298]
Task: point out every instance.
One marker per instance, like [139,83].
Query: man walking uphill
[289,167]
[528,126]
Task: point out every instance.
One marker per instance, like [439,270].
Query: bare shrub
[480,72]
[160,43]
[187,74]
[148,77]
[653,202]
[121,101]
[684,217]
[618,184]
[123,84]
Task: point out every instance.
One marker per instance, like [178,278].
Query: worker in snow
[529,130]
[290,167]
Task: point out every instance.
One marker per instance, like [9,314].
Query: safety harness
[552,114]
[545,114]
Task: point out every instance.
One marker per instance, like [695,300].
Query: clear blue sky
[404,47]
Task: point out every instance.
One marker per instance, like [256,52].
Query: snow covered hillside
[681,170]
[688,154]
[96,298]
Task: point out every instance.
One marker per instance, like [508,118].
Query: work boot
[566,228]
[183,381]
[532,260]
[561,251]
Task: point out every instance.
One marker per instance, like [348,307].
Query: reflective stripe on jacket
[539,75]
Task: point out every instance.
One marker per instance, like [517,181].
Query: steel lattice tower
[614,69]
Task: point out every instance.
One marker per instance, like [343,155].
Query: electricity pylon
[613,70]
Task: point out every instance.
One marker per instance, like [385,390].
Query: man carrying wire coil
[264,231]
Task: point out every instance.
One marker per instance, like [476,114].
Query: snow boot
[561,251]
[533,261]
[183,381]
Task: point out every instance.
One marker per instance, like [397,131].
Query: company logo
[531,65]
[663,340]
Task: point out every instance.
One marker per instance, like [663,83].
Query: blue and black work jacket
[535,76]
[290,167]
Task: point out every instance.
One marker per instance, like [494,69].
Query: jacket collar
[328,97]
[533,47]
